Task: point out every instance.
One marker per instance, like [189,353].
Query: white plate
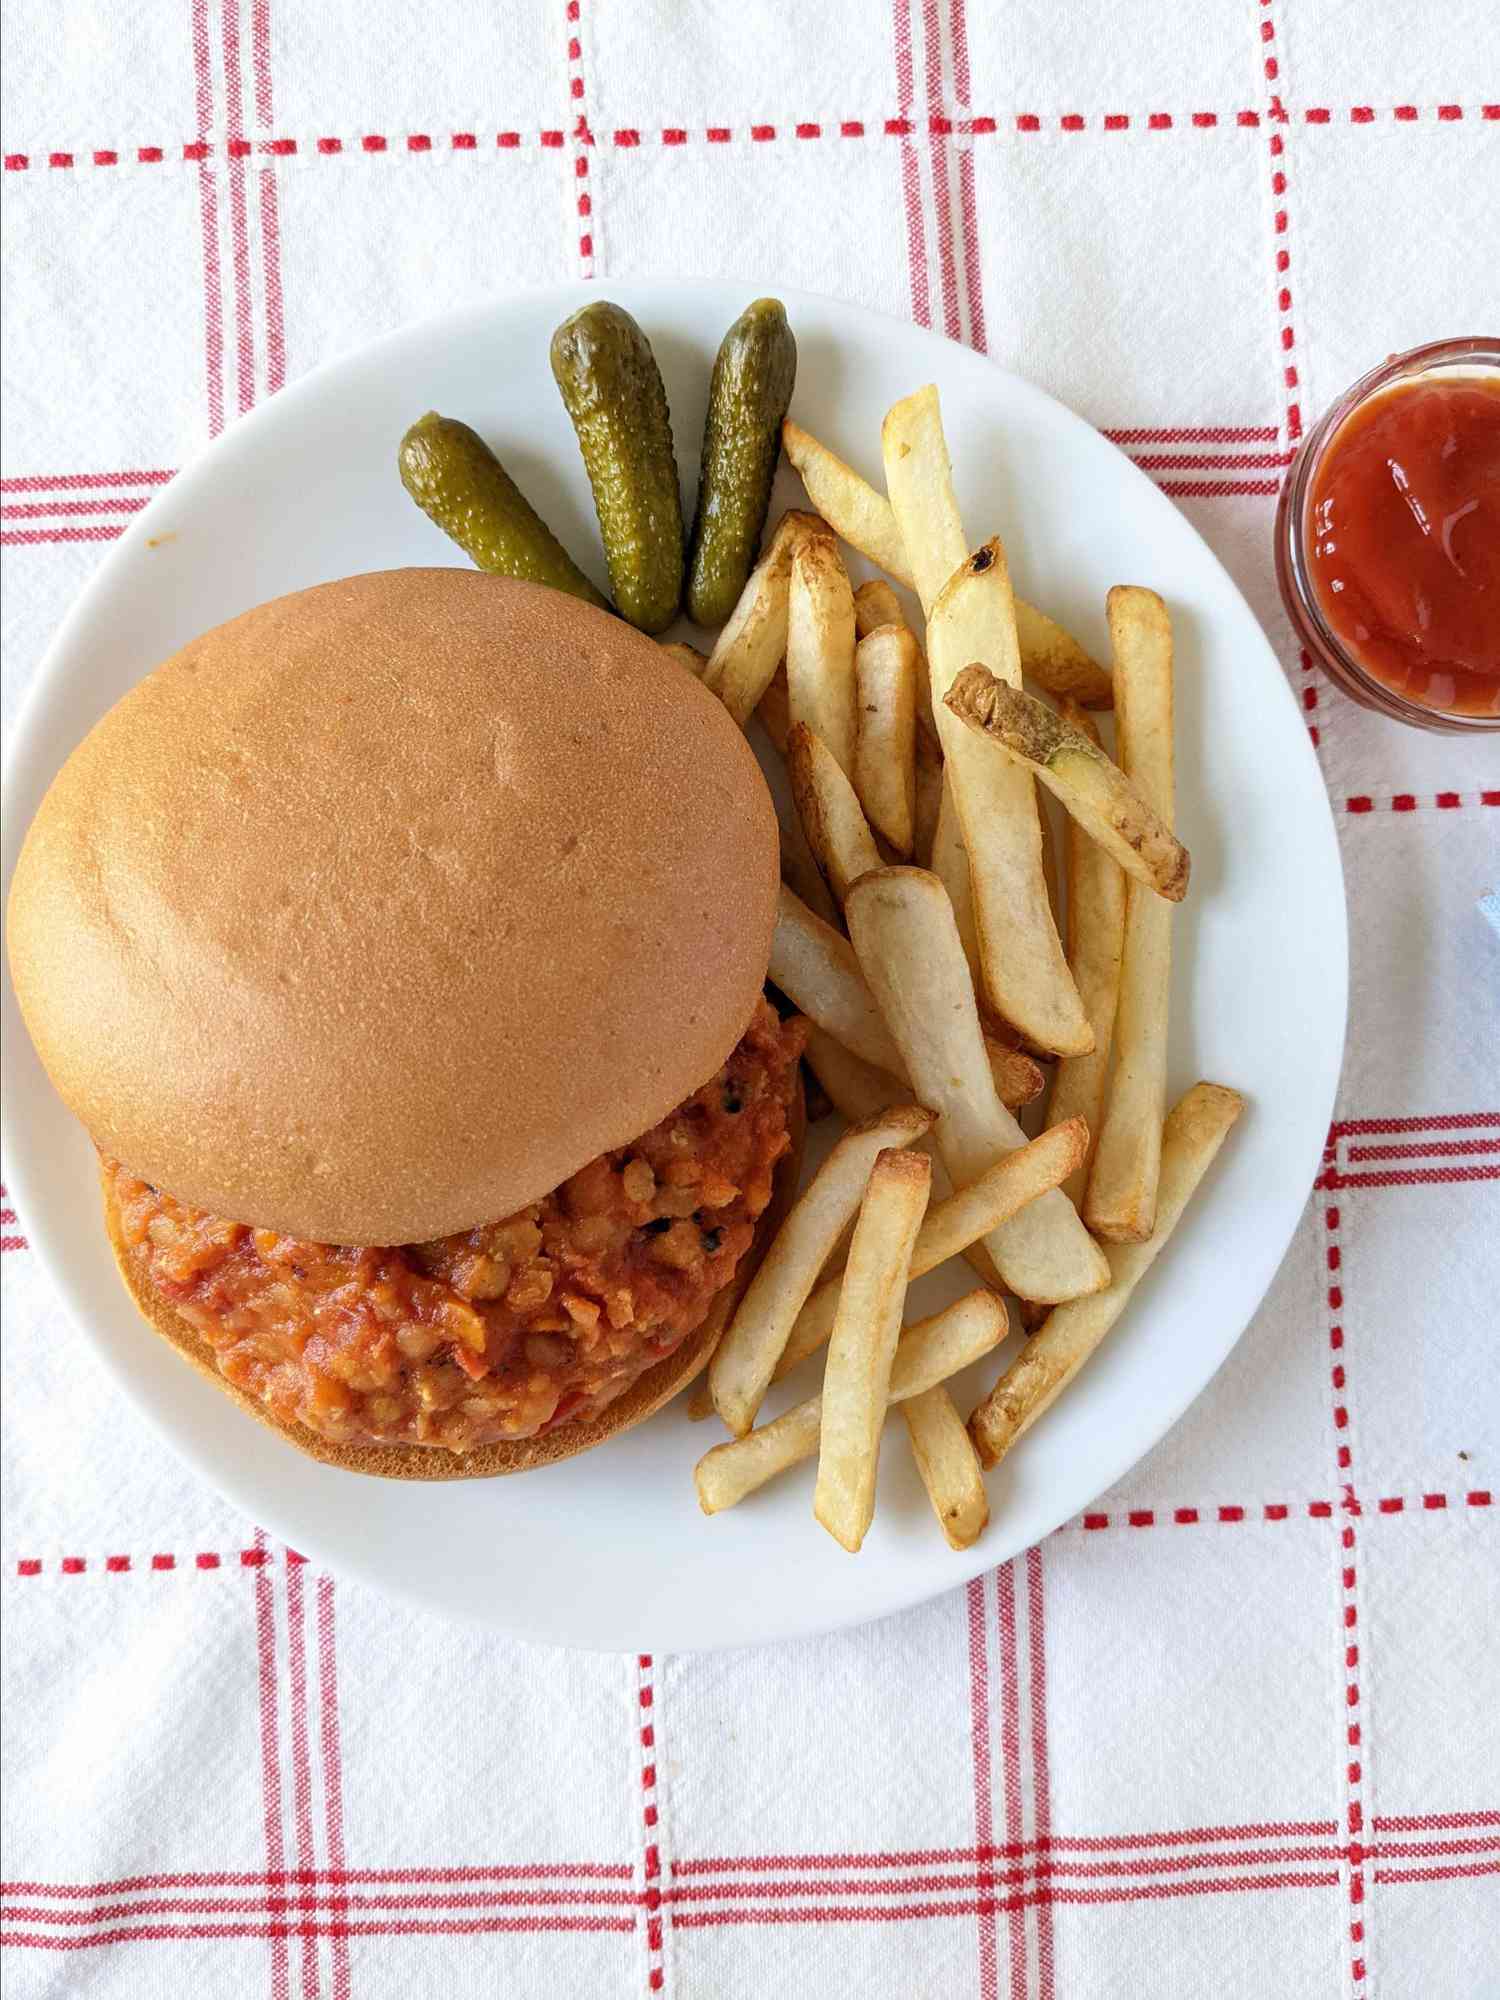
[610,1550]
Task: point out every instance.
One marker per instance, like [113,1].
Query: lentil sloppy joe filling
[540,1319]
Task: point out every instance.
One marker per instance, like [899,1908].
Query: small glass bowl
[1477,355]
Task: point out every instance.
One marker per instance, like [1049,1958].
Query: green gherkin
[613,391]
[459,483]
[748,397]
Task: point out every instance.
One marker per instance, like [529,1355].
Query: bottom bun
[642,1399]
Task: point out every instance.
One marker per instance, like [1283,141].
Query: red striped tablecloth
[1234,1731]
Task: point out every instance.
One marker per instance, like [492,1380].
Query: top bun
[375,913]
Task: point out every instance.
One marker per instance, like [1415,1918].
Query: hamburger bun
[648,1394]
[375,913]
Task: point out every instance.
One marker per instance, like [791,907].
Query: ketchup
[1403,541]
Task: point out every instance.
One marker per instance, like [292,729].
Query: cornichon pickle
[749,395]
[459,483]
[614,394]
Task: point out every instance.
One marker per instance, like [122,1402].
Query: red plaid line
[1425,1156]
[938,124]
[1224,1514]
[583,140]
[1011,1880]
[651,1870]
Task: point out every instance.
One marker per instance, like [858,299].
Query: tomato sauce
[517,1326]
[1403,541]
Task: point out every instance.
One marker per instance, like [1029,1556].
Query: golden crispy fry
[919,479]
[929,785]
[820,646]
[849,504]
[754,1338]
[1095,791]
[1053,1355]
[865,519]
[1054,659]
[1120,1204]
[1096,938]
[950,864]
[949,1466]
[749,649]
[1050,873]
[1025,976]
[861,1091]
[928,1353]
[862,1345]
[837,831]
[1019,1078]
[858,1089]
[689,657]
[800,871]
[815,966]
[953,1224]
[902,927]
[775,711]
[876,604]
[887,677]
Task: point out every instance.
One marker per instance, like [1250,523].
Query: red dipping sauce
[1402,534]
[1388,538]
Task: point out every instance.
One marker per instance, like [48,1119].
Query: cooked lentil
[540,1319]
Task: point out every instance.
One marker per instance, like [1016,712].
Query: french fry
[752,1342]
[1094,790]
[1095,938]
[1025,976]
[689,657]
[865,519]
[837,831]
[849,504]
[815,966]
[859,1090]
[1120,1204]
[950,864]
[876,604]
[775,713]
[1054,659]
[862,1345]
[749,649]
[1049,866]
[949,1466]
[929,785]
[819,1105]
[902,928]
[919,480]
[1194,1132]
[928,1353]
[1019,1078]
[800,871]
[820,646]
[952,1225]
[887,675]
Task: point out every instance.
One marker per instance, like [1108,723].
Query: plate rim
[50,1249]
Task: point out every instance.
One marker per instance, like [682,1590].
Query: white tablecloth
[1234,1731]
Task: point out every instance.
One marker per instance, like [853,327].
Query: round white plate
[610,1550]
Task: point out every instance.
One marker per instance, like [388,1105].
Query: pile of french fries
[917,935]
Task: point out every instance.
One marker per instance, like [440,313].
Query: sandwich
[401,944]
